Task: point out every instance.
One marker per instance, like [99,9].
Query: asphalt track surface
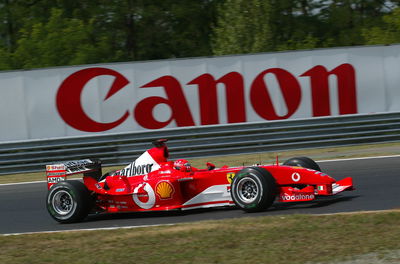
[377,182]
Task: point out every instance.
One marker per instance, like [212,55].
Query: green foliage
[60,41]
[302,24]
[371,237]
[5,59]
[309,42]
[387,34]
[65,32]
[243,27]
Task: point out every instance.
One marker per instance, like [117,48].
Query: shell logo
[165,190]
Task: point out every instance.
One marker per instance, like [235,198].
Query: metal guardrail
[120,149]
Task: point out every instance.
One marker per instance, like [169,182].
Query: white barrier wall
[126,97]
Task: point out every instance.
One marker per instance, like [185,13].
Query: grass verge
[272,239]
[367,150]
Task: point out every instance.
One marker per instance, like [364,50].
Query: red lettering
[234,87]
[320,89]
[175,100]
[69,104]
[261,100]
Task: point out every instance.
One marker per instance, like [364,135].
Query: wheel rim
[247,190]
[63,203]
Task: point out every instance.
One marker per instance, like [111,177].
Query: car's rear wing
[59,171]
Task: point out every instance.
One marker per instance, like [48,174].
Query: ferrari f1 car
[152,183]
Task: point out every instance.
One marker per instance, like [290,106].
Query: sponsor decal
[60,173]
[297,197]
[120,190]
[185,179]
[141,166]
[165,190]
[144,196]
[318,172]
[117,204]
[133,169]
[78,163]
[230,176]
[55,167]
[296,177]
[55,179]
[69,167]
[238,97]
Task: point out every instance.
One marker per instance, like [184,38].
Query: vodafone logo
[296,177]
[144,196]
[297,197]
[238,103]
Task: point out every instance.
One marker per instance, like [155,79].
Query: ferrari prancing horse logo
[230,176]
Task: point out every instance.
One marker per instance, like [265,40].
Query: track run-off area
[376,179]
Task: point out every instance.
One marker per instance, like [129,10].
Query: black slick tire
[304,162]
[69,201]
[253,189]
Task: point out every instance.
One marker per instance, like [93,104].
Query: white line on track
[32,182]
[361,158]
[84,229]
[20,183]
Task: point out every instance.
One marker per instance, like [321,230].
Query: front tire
[69,201]
[304,162]
[253,189]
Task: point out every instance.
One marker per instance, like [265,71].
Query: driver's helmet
[182,165]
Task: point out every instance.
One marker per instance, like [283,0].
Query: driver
[182,165]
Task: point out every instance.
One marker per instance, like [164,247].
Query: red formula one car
[152,183]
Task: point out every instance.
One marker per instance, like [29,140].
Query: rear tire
[304,162]
[69,201]
[253,189]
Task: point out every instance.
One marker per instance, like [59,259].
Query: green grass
[249,159]
[270,239]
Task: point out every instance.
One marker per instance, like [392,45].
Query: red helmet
[182,165]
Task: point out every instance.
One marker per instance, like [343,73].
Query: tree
[343,21]
[42,33]
[295,24]
[243,26]
[60,41]
[388,33]
[5,59]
